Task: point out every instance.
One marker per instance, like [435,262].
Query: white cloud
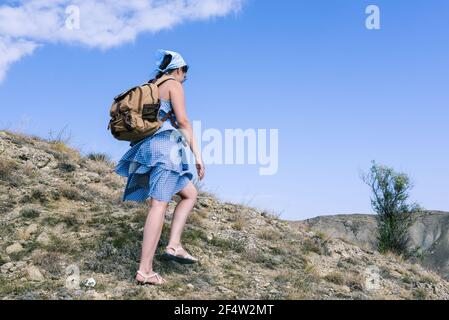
[103,24]
[12,51]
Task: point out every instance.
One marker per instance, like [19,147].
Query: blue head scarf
[176,62]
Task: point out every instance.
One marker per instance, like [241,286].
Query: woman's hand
[200,168]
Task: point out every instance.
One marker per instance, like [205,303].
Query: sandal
[146,277]
[184,259]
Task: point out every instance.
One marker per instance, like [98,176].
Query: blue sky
[339,94]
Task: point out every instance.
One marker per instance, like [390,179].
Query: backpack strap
[169,115]
[161,80]
[172,120]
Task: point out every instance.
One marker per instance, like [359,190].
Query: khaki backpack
[134,112]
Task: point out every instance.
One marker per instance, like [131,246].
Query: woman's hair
[165,62]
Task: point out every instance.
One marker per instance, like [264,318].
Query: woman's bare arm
[178,102]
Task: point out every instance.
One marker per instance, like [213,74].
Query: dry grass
[70,193]
[100,157]
[195,219]
[203,213]
[7,168]
[420,294]
[395,257]
[310,245]
[61,147]
[335,277]
[355,281]
[428,278]
[311,271]
[269,234]
[19,137]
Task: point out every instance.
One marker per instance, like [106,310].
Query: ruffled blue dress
[157,166]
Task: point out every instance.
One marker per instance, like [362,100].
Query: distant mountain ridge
[429,236]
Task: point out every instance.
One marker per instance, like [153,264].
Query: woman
[156,170]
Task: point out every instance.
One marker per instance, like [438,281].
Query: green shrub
[39,195]
[420,294]
[66,167]
[101,157]
[394,215]
[29,213]
[71,193]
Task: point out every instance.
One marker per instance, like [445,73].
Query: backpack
[134,112]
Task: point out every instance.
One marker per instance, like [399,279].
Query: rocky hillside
[65,234]
[429,236]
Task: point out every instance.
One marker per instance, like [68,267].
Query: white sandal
[146,277]
[184,259]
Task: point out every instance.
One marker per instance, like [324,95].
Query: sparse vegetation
[309,245]
[269,234]
[29,213]
[428,279]
[394,215]
[335,277]
[7,168]
[39,195]
[66,167]
[420,294]
[100,157]
[228,244]
[71,193]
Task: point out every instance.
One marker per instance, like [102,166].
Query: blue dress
[156,167]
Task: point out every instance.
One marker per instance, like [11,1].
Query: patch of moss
[228,244]
[29,213]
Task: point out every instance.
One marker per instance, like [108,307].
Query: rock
[6,267]
[43,238]
[5,258]
[427,233]
[90,282]
[25,233]
[34,274]
[16,247]
[224,289]
[95,295]
[190,286]
[345,289]
[77,293]
[32,228]
[41,160]
[22,234]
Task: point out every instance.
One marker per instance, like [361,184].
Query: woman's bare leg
[151,234]
[188,198]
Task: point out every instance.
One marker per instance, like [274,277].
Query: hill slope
[61,219]
[429,235]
